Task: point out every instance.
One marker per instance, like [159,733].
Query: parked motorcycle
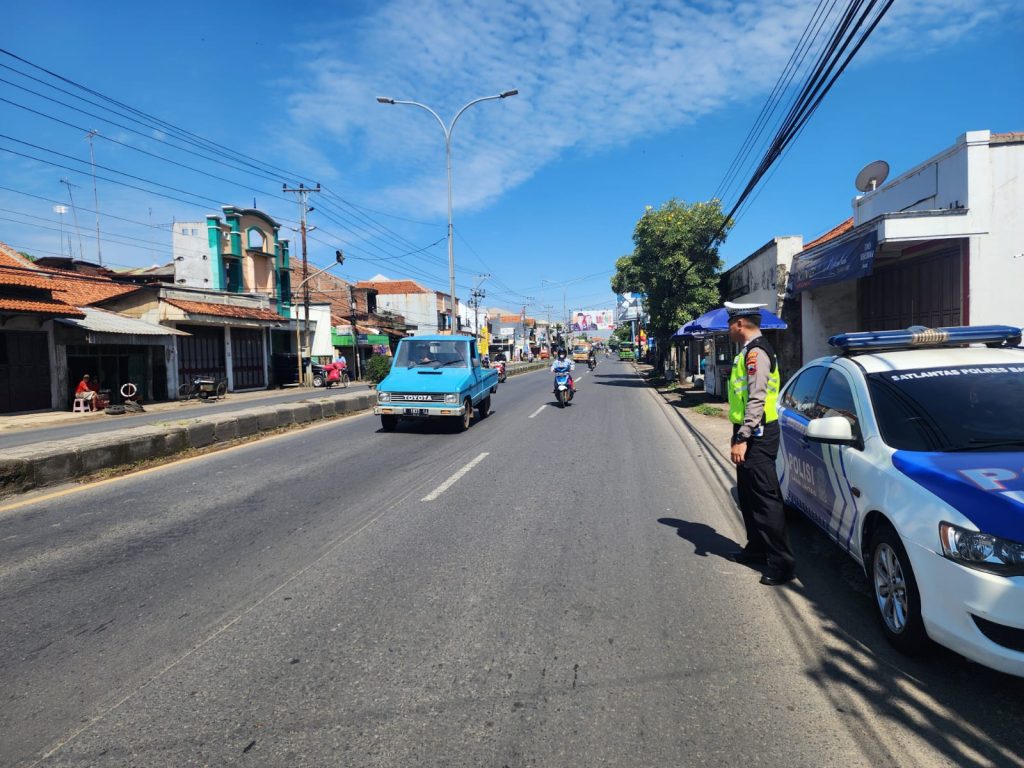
[499,366]
[563,391]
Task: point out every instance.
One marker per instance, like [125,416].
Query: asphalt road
[565,602]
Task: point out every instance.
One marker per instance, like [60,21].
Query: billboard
[629,306]
[593,320]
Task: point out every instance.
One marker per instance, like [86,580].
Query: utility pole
[95,196]
[74,213]
[302,192]
[548,308]
[475,295]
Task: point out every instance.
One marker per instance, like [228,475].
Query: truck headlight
[982,550]
[451,399]
[383,397]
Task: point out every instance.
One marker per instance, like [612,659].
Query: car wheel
[895,589]
[467,415]
[485,407]
[318,381]
[388,423]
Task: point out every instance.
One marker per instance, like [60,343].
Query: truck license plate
[417,411]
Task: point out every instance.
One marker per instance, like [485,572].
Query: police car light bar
[919,336]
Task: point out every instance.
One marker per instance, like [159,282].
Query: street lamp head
[385,100]
[506,94]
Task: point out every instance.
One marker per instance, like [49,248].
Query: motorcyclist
[564,364]
[591,359]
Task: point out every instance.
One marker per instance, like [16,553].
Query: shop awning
[849,259]
[101,321]
[365,339]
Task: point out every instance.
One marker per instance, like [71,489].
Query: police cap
[751,312]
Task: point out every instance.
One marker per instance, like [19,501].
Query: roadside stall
[718,351]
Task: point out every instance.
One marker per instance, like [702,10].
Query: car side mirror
[834,430]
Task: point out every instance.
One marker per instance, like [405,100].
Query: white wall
[191,254]
[420,309]
[826,311]
[320,336]
[761,277]
[997,258]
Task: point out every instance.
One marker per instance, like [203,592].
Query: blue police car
[907,449]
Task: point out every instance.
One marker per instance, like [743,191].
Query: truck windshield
[957,408]
[432,354]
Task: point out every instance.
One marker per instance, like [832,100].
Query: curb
[29,467]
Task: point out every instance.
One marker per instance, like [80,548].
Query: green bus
[626,350]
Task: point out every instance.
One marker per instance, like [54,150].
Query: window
[255,239]
[958,407]
[836,399]
[800,396]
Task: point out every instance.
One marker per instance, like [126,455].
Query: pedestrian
[753,411]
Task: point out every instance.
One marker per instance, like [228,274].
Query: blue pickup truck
[435,377]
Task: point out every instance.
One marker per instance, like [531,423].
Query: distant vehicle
[580,352]
[286,369]
[626,351]
[907,449]
[435,377]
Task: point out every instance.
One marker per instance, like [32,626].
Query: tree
[675,263]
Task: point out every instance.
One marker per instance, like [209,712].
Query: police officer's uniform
[753,411]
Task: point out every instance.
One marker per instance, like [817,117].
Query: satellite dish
[872,175]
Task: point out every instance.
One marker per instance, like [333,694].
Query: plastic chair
[80,406]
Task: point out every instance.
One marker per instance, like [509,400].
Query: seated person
[87,391]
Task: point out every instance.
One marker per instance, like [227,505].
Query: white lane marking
[454,478]
[538,410]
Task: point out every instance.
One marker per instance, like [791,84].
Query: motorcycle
[499,366]
[591,363]
[563,391]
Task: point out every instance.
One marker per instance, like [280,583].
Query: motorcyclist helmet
[561,354]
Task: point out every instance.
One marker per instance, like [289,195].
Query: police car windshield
[431,354]
[956,408]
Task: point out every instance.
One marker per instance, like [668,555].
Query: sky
[621,105]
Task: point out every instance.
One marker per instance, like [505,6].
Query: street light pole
[565,285]
[448,166]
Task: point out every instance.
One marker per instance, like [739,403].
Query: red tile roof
[83,290]
[39,307]
[11,258]
[26,278]
[223,310]
[391,287]
[832,234]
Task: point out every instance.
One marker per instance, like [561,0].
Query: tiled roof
[82,290]
[223,310]
[1012,137]
[39,307]
[11,258]
[832,234]
[26,278]
[390,287]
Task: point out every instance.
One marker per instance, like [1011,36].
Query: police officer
[753,410]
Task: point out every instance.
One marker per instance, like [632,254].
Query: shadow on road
[705,539]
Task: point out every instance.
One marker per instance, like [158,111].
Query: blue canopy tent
[717,321]
[688,330]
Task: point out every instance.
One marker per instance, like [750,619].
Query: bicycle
[203,389]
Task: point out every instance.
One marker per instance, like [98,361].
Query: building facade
[940,245]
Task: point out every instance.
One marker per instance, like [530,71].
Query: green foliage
[377,367]
[28,256]
[675,262]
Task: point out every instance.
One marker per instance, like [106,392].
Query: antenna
[871,175]
[74,213]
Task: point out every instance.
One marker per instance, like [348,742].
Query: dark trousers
[757,484]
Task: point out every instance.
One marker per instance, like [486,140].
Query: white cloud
[592,74]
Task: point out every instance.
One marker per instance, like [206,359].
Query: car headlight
[383,397]
[982,550]
[451,399]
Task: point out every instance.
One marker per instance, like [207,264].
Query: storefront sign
[848,260]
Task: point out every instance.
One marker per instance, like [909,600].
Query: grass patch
[709,410]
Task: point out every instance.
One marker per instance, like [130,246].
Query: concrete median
[43,464]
